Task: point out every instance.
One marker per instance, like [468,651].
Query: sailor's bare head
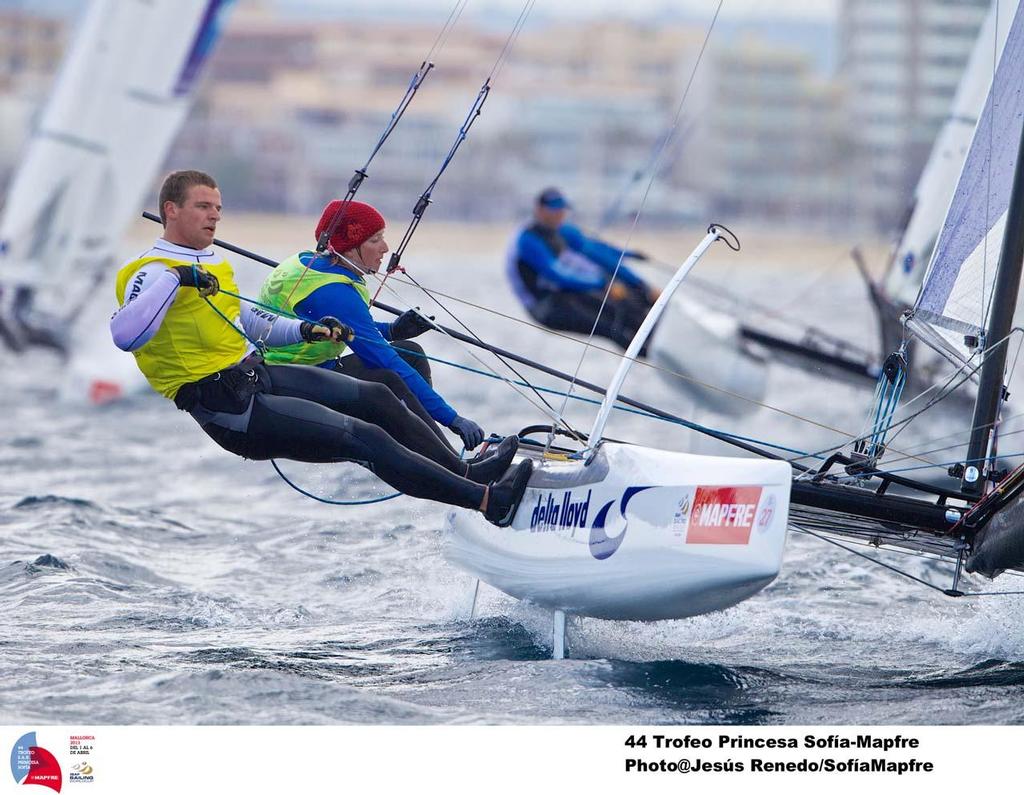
[190,208]
[551,208]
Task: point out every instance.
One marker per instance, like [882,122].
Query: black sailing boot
[506,494]
[492,466]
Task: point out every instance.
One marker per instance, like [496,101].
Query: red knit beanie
[355,224]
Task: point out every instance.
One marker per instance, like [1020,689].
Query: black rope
[908,575]
[578,435]
[414,85]
[425,198]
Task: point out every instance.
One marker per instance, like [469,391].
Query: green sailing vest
[289,284]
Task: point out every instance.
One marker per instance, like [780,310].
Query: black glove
[410,324]
[327,328]
[471,433]
[188,276]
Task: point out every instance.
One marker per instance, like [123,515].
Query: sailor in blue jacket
[561,276]
[306,282]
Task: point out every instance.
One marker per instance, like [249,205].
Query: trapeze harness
[306,285]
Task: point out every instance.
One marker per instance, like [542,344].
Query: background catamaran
[122,94]
[788,340]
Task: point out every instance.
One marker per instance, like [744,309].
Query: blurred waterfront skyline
[785,118]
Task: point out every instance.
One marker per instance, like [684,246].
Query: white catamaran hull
[639,535]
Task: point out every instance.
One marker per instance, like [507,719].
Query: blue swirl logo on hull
[603,546]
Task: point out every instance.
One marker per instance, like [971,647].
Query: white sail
[945,162]
[121,96]
[954,300]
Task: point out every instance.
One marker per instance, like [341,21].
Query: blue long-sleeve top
[371,337]
[574,277]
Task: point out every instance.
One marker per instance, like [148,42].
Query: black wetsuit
[261,411]
[412,353]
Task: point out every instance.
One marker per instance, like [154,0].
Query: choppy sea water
[147,577]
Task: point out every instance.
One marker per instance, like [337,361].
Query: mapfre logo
[31,764]
[723,514]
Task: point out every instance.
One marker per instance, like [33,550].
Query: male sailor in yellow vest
[193,341]
[312,286]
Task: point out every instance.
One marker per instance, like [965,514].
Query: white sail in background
[121,96]
[954,300]
[945,162]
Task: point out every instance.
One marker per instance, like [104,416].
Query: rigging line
[669,372]
[593,401]
[394,263]
[777,313]
[986,308]
[929,466]
[969,376]
[736,303]
[618,354]
[512,39]
[449,26]
[323,242]
[903,422]
[932,557]
[643,203]
[550,413]
[952,445]
[726,438]
[884,565]
[816,279]
[302,491]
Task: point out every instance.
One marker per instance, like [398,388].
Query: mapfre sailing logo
[32,764]
[723,514]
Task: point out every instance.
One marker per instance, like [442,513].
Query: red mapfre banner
[723,514]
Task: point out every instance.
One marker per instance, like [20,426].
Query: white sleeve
[149,295]
[273,330]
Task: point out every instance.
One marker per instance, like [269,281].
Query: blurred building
[291,107]
[901,63]
[290,110]
[31,48]
[775,141]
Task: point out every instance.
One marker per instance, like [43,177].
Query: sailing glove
[194,276]
[410,324]
[326,328]
[471,433]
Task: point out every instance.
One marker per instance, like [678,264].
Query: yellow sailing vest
[193,341]
[290,283]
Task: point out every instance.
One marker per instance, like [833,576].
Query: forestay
[954,302]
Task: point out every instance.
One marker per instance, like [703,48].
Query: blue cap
[553,199]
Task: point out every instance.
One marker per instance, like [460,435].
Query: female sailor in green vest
[312,286]
[194,344]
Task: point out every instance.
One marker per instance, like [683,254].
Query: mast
[1004,302]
